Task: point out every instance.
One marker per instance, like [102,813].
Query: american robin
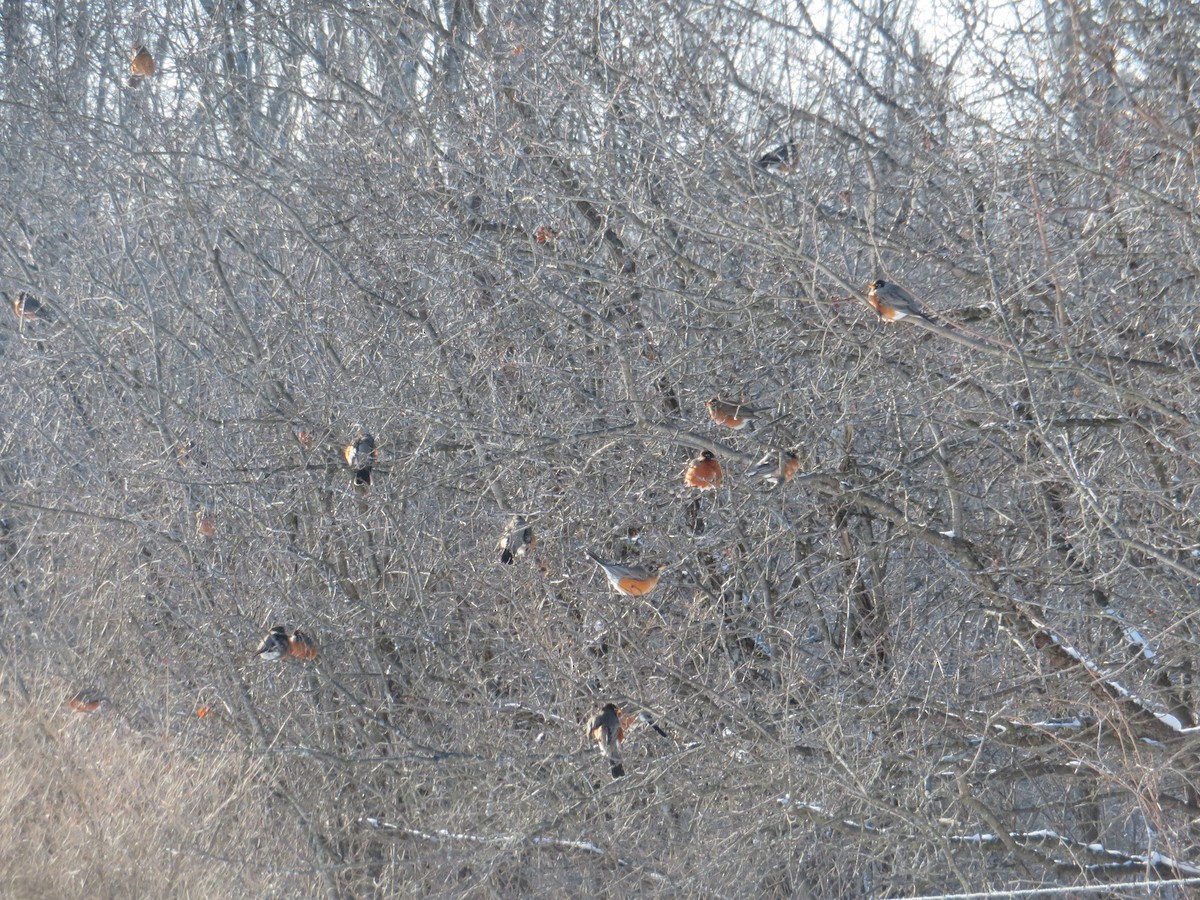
[776,468]
[300,646]
[735,415]
[605,729]
[141,66]
[704,472]
[361,455]
[782,159]
[30,308]
[187,451]
[545,234]
[632,581]
[517,540]
[274,645]
[206,524]
[85,701]
[631,721]
[893,302]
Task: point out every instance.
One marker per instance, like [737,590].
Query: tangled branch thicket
[522,247]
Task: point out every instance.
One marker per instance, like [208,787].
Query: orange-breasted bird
[29,308]
[206,523]
[274,645]
[85,701]
[633,720]
[632,581]
[517,540]
[301,646]
[704,472]
[776,468]
[893,302]
[361,454]
[782,159]
[605,729]
[732,414]
[141,66]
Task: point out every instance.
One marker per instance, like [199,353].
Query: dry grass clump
[93,808]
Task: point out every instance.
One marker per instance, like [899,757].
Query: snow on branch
[1156,725]
[1108,862]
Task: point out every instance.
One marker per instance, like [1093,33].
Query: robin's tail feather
[507,557]
[362,477]
[618,770]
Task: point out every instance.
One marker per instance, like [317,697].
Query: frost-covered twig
[1109,861]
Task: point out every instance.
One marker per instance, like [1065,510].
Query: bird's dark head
[612,708]
[707,454]
[878,284]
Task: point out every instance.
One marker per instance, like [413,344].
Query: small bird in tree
[633,720]
[301,646]
[704,472]
[605,729]
[361,454]
[29,308]
[732,414]
[206,523]
[516,541]
[187,451]
[85,701]
[782,159]
[893,302]
[632,581]
[776,468]
[274,645]
[142,66]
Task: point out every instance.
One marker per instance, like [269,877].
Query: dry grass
[92,808]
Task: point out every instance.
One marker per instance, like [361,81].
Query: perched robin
[142,66]
[776,468]
[632,581]
[782,159]
[300,646]
[735,415]
[30,308]
[704,472]
[274,645]
[85,701]
[361,455]
[893,302]
[631,721]
[187,451]
[605,729]
[206,524]
[517,540]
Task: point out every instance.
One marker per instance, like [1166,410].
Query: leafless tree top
[321,314]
